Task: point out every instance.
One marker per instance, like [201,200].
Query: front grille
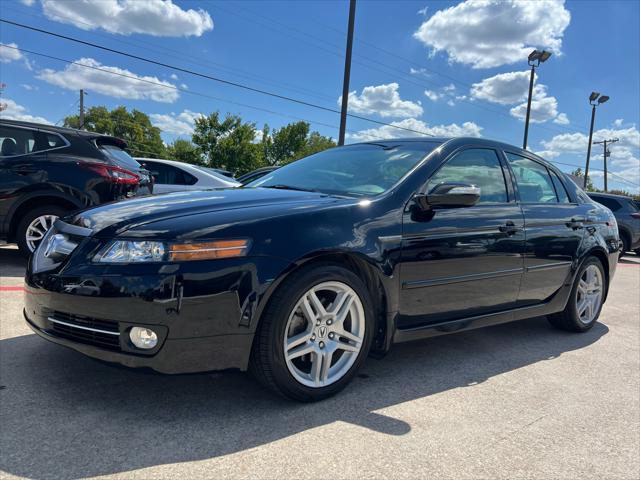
[92,331]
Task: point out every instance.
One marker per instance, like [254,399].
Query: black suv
[47,172]
[627,213]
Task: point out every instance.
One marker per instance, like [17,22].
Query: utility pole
[81,109]
[347,72]
[606,154]
[592,101]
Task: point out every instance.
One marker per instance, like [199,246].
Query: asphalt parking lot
[513,401]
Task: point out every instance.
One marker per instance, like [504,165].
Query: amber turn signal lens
[208,250]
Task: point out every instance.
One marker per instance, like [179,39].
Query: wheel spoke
[347,347]
[299,351]
[349,336]
[307,311]
[297,340]
[326,357]
[345,307]
[582,305]
[583,287]
[313,299]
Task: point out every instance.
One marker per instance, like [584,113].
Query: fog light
[143,338]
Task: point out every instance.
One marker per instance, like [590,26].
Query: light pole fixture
[535,59]
[595,99]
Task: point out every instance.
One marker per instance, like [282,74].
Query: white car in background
[171,176]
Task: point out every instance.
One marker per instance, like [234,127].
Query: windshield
[358,170]
[119,156]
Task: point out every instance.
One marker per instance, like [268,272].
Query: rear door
[22,165]
[168,178]
[554,228]
[461,262]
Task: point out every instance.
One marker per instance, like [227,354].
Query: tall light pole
[81,109]
[347,73]
[606,154]
[535,59]
[595,99]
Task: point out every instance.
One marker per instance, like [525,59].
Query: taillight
[112,173]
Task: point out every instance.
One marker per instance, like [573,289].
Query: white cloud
[432,95]
[124,84]
[513,87]
[161,18]
[491,33]
[28,87]
[173,76]
[383,100]
[13,111]
[625,154]
[422,72]
[504,88]
[28,3]
[180,124]
[8,53]
[618,122]
[467,129]
[423,11]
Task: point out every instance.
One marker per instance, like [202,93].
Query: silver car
[172,176]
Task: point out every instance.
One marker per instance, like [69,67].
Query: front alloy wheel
[324,334]
[314,333]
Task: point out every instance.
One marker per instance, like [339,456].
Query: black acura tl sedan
[304,272]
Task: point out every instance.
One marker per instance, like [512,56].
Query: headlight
[125,251]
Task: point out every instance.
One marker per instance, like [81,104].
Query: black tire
[637,250]
[268,363]
[569,319]
[625,245]
[26,220]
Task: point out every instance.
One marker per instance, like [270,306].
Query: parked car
[627,213]
[255,174]
[171,176]
[304,272]
[47,172]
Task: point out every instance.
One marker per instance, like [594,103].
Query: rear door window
[169,175]
[611,203]
[561,191]
[533,179]
[16,141]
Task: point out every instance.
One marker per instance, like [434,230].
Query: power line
[389,69]
[182,56]
[209,77]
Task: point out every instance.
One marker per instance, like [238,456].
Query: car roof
[609,195]
[188,166]
[63,130]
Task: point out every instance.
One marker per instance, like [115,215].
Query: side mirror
[449,195]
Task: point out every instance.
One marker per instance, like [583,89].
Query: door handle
[509,228]
[575,223]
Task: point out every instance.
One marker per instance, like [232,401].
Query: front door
[467,261]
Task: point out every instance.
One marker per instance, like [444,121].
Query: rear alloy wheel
[586,299]
[34,226]
[315,333]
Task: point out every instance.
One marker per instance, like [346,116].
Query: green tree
[578,174]
[228,143]
[184,151]
[143,139]
[291,142]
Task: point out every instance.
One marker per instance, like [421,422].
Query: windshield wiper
[289,187]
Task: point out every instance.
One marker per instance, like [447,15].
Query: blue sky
[446,68]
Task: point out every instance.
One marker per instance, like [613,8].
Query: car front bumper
[204,313]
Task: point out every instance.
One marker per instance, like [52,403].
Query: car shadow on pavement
[64,415]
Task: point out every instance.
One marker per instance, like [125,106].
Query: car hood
[120,216]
